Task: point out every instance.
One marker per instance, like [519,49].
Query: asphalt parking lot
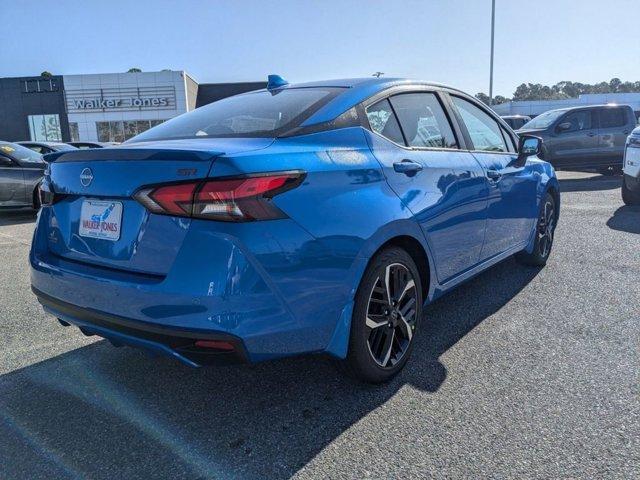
[521,373]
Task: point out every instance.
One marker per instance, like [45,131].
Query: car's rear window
[63,147]
[255,114]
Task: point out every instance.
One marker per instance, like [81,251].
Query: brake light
[46,196]
[174,199]
[235,199]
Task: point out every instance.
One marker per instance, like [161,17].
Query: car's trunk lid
[95,220]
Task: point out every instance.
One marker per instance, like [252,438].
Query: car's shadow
[17,217]
[625,219]
[590,184]
[99,412]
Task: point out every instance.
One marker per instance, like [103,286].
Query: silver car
[631,177]
[21,170]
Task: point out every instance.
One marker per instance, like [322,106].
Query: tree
[46,74]
[614,85]
[498,99]
[134,70]
[483,97]
[566,89]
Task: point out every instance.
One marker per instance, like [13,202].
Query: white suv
[631,178]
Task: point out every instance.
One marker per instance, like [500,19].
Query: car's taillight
[46,196]
[229,199]
[633,141]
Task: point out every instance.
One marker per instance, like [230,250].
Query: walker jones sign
[119,99]
[104,103]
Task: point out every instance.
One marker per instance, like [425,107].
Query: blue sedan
[306,218]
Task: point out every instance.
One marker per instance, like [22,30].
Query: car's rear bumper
[179,344]
[285,295]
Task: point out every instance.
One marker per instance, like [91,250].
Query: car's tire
[383,329]
[629,197]
[545,229]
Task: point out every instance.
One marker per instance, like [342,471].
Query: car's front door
[442,186]
[12,190]
[512,188]
[574,140]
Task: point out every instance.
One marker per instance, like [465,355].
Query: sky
[448,41]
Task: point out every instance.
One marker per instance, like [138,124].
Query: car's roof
[515,116]
[357,90]
[587,107]
[381,82]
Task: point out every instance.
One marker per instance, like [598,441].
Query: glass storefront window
[119,131]
[45,128]
[103,131]
[143,125]
[74,132]
[130,129]
[116,131]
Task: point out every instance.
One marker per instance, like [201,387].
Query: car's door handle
[591,134]
[408,167]
[494,175]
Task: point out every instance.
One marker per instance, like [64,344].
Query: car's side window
[484,131]
[578,121]
[511,147]
[611,117]
[383,121]
[423,121]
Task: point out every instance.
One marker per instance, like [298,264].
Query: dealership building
[111,107]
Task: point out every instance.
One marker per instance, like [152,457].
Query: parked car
[584,137]
[311,218]
[46,147]
[86,145]
[516,121]
[631,171]
[21,171]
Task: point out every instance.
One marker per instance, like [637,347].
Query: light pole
[493,28]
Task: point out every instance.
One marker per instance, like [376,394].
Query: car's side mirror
[564,126]
[528,146]
[5,162]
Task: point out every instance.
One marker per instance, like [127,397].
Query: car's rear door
[443,186]
[511,210]
[614,127]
